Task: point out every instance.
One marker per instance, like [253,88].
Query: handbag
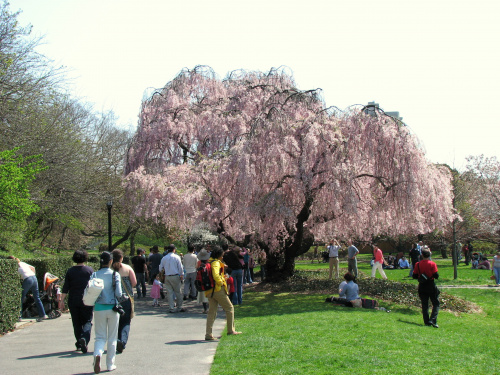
[92,290]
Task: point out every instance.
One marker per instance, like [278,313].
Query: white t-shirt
[190,260]
[333,250]
[25,270]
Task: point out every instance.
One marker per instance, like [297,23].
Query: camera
[119,309]
[423,278]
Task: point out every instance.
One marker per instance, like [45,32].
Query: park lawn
[301,334]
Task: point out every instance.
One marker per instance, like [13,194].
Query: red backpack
[204,279]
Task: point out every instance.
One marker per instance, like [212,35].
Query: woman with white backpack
[106,313]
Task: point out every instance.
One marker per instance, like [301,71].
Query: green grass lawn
[466,275]
[298,333]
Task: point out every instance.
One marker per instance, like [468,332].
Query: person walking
[218,295]
[352,261]
[75,282]
[154,263]
[378,262]
[105,317]
[426,271]
[495,268]
[414,258]
[333,254]
[129,281]
[30,282]
[189,261]
[174,275]
[141,272]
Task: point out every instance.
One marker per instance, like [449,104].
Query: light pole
[109,204]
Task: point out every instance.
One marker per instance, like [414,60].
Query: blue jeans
[124,322]
[31,283]
[246,276]
[496,270]
[238,286]
[141,281]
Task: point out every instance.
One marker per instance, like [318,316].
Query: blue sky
[436,62]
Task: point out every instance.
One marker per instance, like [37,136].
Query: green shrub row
[10,295]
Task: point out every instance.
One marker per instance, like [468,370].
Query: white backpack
[92,291]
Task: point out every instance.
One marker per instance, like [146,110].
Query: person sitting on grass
[403,263]
[351,291]
[484,265]
[348,293]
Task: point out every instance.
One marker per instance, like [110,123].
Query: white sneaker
[112,368]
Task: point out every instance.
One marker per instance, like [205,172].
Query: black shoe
[119,346]
[434,325]
[83,345]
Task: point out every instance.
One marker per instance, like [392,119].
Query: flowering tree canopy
[259,159]
[483,175]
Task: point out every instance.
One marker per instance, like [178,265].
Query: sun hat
[203,255]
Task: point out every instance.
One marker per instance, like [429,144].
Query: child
[230,282]
[155,291]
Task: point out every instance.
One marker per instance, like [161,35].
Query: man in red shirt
[426,272]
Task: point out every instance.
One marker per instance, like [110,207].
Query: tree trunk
[132,243]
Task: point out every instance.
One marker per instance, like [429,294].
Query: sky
[437,62]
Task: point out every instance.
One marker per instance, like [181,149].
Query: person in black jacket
[234,260]
[75,282]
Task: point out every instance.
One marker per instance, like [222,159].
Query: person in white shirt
[174,276]
[30,282]
[190,260]
[333,253]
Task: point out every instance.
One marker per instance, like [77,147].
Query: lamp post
[109,204]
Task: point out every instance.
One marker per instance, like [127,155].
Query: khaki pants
[334,262]
[378,266]
[222,299]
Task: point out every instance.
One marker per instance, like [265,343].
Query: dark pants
[141,282]
[81,317]
[425,293]
[124,323]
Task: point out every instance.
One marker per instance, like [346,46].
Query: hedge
[10,295]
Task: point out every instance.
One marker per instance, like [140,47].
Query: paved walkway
[470,287]
[159,343]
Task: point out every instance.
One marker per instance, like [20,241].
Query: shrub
[10,295]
